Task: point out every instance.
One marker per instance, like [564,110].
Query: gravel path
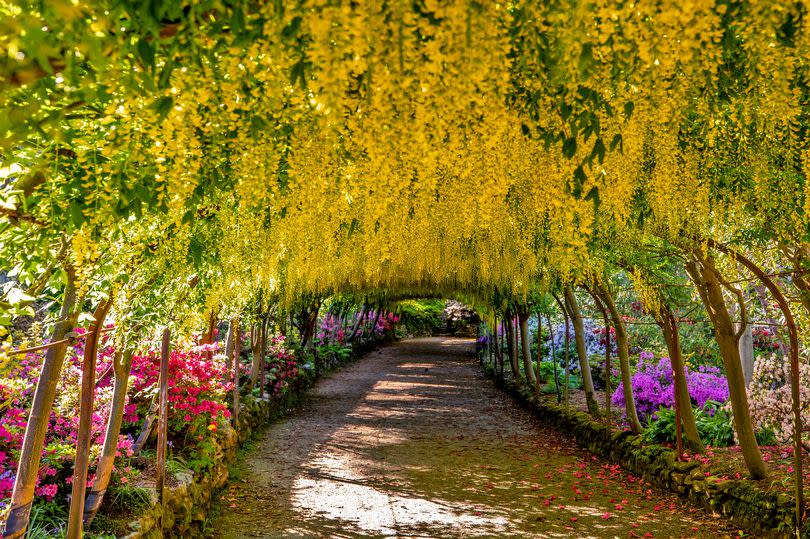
[412,441]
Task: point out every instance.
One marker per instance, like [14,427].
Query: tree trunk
[669,326]
[122,363]
[83,441]
[38,418]
[790,322]
[567,359]
[229,340]
[553,354]
[709,285]
[263,369]
[511,347]
[256,352]
[746,347]
[608,344]
[523,320]
[579,337]
[624,358]
[357,322]
[498,351]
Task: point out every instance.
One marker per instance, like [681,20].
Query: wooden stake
[237,350]
[163,411]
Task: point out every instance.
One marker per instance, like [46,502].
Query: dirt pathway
[411,441]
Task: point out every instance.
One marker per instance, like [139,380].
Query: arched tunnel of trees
[220,212]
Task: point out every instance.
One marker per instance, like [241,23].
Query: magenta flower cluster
[653,387]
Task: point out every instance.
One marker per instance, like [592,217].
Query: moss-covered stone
[741,501]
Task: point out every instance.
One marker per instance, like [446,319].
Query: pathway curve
[412,441]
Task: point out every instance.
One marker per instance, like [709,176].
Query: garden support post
[163,423]
[237,350]
[88,390]
[37,427]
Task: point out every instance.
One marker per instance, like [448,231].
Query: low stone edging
[188,502]
[741,501]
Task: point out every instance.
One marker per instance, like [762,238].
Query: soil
[413,441]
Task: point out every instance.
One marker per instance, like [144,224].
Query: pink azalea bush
[770,398]
[196,389]
[199,390]
[16,393]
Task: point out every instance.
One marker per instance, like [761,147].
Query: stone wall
[189,496]
[742,502]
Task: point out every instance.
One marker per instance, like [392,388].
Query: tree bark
[122,363]
[263,369]
[256,352]
[567,375]
[579,337]
[511,347]
[624,358]
[669,327]
[523,320]
[38,418]
[553,354]
[709,284]
[608,344]
[790,322]
[357,322]
[229,340]
[88,390]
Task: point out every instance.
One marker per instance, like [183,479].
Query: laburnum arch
[184,158]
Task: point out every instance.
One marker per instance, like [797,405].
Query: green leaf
[75,213]
[569,147]
[628,109]
[146,52]
[617,141]
[579,180]
[166,74]
[599,150]
[593,195]
[163,105]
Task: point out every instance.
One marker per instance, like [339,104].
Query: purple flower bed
[652,385]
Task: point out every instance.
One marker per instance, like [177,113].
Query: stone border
[188,502]
[741,501]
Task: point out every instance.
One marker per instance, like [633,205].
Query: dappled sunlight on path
[412,442]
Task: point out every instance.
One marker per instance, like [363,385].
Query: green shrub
[422,316]
[713,422]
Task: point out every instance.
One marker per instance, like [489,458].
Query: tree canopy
[314,147]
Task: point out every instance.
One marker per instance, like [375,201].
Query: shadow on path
[411,441]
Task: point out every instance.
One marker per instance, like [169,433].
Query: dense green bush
[714,425]
[421,316]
